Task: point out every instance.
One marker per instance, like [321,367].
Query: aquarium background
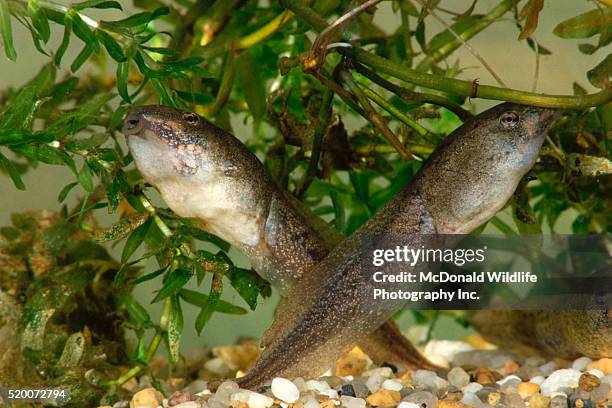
[511,59]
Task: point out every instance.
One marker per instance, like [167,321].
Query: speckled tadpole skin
[206,173]
[468,178]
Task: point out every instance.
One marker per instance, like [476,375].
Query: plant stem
[374,117]
[320,129]
[410,96]
[445,50]
[450,85]
[383,103]
[264,32]
[227,81]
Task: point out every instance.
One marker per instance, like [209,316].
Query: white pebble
[509,378]
[392,385]
[473,387]
[405,404]
[538,379]
[253,399]
[300,384]
[352,402]
[218,366]
[607,379]
[330,393]
[447,349]
[597,373]
[374,382]
[285,390]
[565,377]
[317,386]
[311,402]
[581,363]
[382,371]
[188,404]
[557,394]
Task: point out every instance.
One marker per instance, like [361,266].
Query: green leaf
[173,283]
[245,284]
[39,20]
[86,178]
[64,193]
[175,329]
[65,40]
[7,31]
[139,18]
[138,314]
[252,83]
[10,168]
[123,72]
[149,276]
[200,299]
[585,25]
[112,47]
[134,241]
[16,137]
[195,97]
[81,58]
[600,75]
[216,287]
[83,31]
[99,4]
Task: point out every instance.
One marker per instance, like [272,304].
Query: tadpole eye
[509,119]
[191,117]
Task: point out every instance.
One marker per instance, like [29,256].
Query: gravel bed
[480,378]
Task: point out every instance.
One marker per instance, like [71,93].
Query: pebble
[603,392]
[537,380]
[188,404]
[218,366]
[392,385]
[405,404]
[179,397]
[374,382]
[588,382]
[360,389]
[253,399]
[473,387]
[548,368]
[458,377]
[196,386]
[451,404]
[311,402]
[147,398]
[445,349]
[300,384]
[604,365]
[386,372]
[285,390]
[469,398]
[317,386]
[527,389]
[384,398]
[346,389]
[565,377]
[485,376]
[538,401]
[494,398]
[352,402]
[513,400]
[559,401]
[580,363]
[428,379]
[424,399]
[351,364]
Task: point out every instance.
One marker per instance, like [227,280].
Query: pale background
[513,61]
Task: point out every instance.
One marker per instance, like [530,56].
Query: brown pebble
[351,364]
[538,401]
[327,404]
[588,382]
[493,398]
[486,376]
[527,389]
[147,398]
[452,404]
[510,367]
[579,403]
[604,365]
[179,397]
[384,398]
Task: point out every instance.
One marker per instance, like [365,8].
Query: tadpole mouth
[134,123]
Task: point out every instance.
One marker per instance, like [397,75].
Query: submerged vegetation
[295,72]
